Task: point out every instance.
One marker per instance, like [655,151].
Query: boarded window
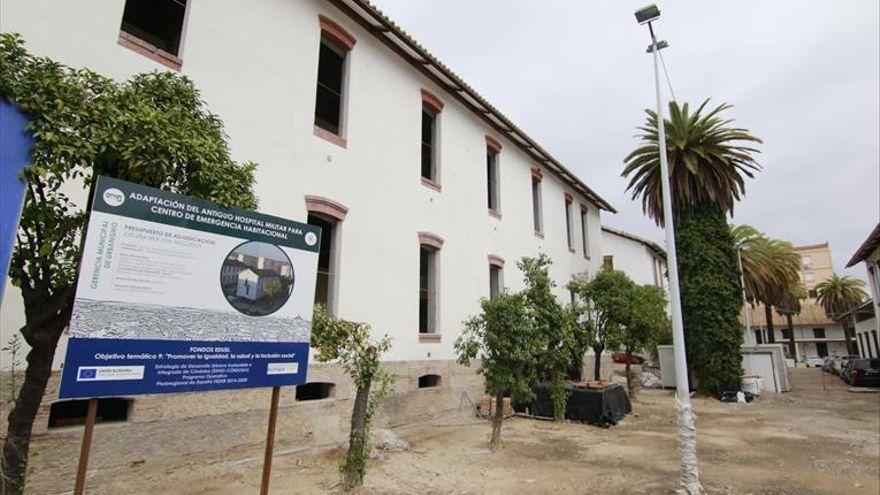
[429,381]
[427,289]
[492,178]
[536,205]
[429,122]
[331,67]
[324,282]
[315,391]
[494,280]
[73,412]
[158,22]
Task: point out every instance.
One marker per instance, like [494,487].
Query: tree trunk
[851,347]
[792,347]
[597,366]
[630,386]
[21,417]
[356,460]
[768,315]
[495,440]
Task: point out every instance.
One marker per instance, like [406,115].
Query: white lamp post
[687,441]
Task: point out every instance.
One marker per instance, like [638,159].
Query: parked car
[844,364]
[813,362]
[620,357]
[863,372]
[828,364]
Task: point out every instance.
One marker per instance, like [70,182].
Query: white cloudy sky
[803,75]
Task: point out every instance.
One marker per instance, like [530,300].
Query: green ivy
[711,298]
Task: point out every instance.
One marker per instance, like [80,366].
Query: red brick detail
[326,206]
[496,260]
[329,136]
[536,173]
[430,338]
[138,45]
[487,407]
[569,198]
[431,101]
[493,144]
[493,213]
[429,239]
[584,208]
[431,184]
[336,33]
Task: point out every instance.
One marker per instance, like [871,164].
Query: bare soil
[820,438]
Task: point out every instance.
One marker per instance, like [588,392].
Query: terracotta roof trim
[867,247]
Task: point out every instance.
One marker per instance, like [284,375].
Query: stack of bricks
[487,407]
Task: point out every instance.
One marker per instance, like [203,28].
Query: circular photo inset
[256,278]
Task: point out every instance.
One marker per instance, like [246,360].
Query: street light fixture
[687,441]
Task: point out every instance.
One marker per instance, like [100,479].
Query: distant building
[865,316]
[815,333]
[252,282]
[229,272]
[642,260]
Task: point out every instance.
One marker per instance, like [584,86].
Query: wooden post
[270,441]
[86,446]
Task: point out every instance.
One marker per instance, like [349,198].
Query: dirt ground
[819,439]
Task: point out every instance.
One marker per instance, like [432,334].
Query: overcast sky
[804,76]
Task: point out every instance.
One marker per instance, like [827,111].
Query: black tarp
[600,407]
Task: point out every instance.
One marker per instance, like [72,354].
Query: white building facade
[427,194]
[867,316]
[644,261]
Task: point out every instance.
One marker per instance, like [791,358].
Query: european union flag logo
[87,373]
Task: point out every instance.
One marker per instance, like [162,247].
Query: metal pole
[270,441]
[85,447]
[690,478]
[746,308]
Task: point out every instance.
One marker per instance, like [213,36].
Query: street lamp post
[687,441]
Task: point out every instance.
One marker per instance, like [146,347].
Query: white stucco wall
[256,66]
[634,258]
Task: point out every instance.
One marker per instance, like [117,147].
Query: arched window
[328,215]
[429,381]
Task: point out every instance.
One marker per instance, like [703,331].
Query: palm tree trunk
[792,348]
[768,315]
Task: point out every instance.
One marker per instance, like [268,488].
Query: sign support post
[86,446]
[270,441]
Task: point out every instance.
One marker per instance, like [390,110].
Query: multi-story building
[815,333]
[642,260]
[867,316]
[426,193]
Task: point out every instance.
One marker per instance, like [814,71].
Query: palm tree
[770,271]
[837,295]
[708,161]
[788,306]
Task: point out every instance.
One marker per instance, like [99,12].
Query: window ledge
[138,45]
[329,136]
[539,235]
[431,184]
[432,338]
[493,213]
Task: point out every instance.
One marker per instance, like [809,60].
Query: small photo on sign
[257,278]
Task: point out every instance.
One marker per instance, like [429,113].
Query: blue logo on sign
[86,373]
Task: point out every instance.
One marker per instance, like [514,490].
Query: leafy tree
[605,306]
[153,129]
[501,339]
[272,287]
[708,162]
[645,323]
[552,324]
[349,343]
[837,295]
